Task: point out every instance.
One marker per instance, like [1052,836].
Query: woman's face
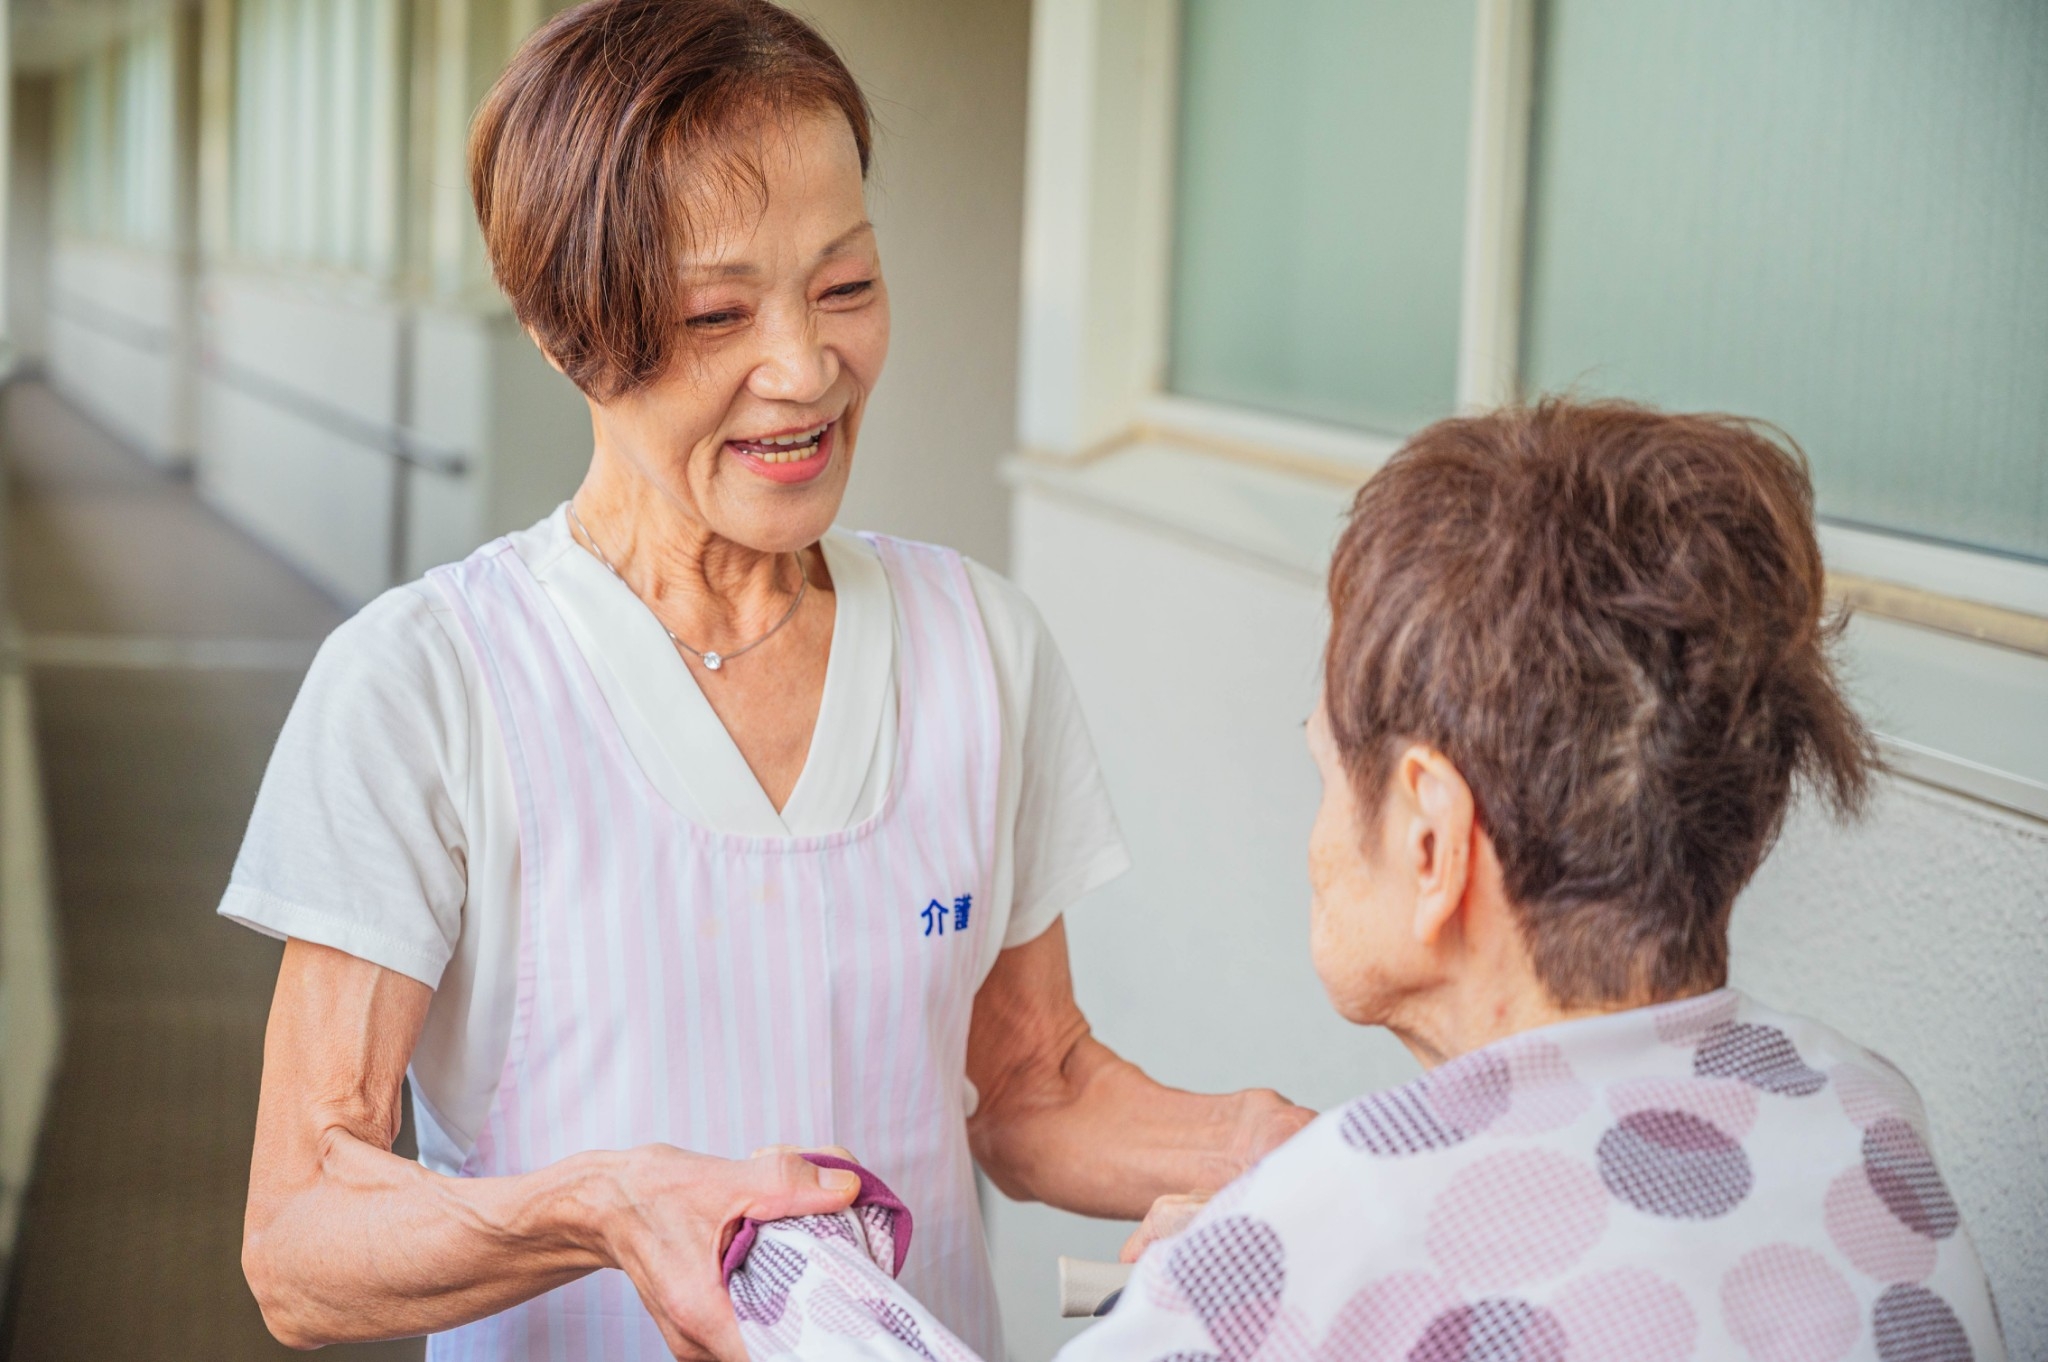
[1361,908]
[751,432]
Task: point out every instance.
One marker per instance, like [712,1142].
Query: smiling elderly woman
[680,825]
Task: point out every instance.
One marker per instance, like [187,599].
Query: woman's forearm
[372,1245]
[1065,1121]
[1104,1139]
[346,1241]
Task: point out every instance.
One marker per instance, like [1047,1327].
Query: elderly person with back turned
[681,825]
[1577,670]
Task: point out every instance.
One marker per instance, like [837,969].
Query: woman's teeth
[787,448]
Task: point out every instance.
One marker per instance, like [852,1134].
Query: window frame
[1092,371]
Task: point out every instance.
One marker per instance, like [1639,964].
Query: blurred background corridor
[1169,279]
[165,648]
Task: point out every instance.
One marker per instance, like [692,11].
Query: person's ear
[1441,826]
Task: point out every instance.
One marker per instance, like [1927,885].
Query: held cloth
[1704,1179]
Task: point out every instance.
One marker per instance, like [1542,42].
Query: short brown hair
[581,155]
[1613,621]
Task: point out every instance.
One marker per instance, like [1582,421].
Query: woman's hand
[346,1242]
[1265,1122]
[1170,1216]
[671,1215]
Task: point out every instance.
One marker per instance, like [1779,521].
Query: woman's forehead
[788,188]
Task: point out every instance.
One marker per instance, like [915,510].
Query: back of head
[1613,621]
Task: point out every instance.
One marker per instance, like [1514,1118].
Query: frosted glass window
[1319,221]
[318,98]
[115,116]
[1830,213]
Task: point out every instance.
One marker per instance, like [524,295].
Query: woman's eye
[713,320]
[852,290]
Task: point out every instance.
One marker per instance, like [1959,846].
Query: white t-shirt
[386,825]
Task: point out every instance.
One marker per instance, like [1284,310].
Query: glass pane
[1830,213]
[1319,221]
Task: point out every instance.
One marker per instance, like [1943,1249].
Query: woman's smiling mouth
[791,456]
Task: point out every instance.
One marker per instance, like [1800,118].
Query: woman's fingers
[834,1150]
[1169,1216]
[1266,1120]
[780,1184]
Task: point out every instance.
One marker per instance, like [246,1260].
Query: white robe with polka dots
[1704,1179]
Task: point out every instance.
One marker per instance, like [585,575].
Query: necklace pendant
[712,662]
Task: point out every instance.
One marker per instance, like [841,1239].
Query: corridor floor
[166,648]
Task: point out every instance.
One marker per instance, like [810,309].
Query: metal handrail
[399,442]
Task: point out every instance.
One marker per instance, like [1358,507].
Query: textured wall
[946,80]
[1923,932]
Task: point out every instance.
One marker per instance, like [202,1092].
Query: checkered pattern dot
[1516,1217]
[1762,1056]
[1233,1272]
[1493,1330]
[760,1289]
[1912,1324]
[1671,1163]
[1902,1173]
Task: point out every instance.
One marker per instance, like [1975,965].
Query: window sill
[1955,707]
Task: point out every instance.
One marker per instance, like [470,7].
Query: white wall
[295,481]
[1922,932]
[115,314]
[947,82]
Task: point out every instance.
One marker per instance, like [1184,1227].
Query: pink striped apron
[720,993]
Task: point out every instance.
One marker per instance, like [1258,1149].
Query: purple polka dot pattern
[1673,1164]
[1594,1192]
[1516,1217]
[899,1324]
[1903,1175]
[1912,1324]
[760,1289]
[1233,1272]
[826,1227]
[1492,1331]
[1762,1056]
[836,1312]
[1445,1108]
[1876,1242]
[1868,1095]
[1627,1315]
[1730,1105]
[1383,1320]
[1786,1304]
[1543,1092]
[1685,1023]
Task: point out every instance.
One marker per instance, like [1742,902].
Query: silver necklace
[712,660]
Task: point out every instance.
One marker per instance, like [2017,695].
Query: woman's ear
[1438,840]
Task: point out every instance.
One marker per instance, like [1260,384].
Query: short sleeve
[1066,842]
[356,841]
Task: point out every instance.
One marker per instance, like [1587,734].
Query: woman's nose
[795,365]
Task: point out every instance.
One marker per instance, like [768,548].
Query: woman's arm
[1063,1120]
[344,1240]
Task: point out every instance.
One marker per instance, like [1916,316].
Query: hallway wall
[358,395]
[114,318]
